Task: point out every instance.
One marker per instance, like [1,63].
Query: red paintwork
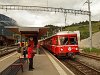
[54,46]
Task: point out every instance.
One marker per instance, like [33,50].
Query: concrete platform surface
[42,65]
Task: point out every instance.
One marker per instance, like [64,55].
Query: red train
[63,43]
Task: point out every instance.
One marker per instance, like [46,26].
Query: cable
[83,4]
[93,2]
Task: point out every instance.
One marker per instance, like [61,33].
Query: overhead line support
[40,8]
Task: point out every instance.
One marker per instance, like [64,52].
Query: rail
[83,68]
[90,56]
[7,50]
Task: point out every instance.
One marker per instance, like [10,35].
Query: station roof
[28,31]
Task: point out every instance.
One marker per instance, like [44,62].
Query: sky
[40,19]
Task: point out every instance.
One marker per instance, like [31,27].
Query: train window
[63,40]
[73,40]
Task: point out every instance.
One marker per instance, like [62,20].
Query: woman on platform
[30,57]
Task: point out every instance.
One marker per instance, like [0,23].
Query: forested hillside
[83,27]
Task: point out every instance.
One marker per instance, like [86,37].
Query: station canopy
[28,31]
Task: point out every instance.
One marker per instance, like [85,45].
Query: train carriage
[63,43]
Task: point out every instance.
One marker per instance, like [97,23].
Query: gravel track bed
[91,62]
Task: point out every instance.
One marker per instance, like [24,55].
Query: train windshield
[64,40]
[73,40]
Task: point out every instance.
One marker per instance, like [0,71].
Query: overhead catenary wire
[83,3]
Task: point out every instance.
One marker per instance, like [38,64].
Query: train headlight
[76,48]
[61,49]
[69,48]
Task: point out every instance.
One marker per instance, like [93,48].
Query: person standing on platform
[31,53]
[30,57]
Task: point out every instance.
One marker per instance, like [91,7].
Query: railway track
[6,51]
[78,67]
[90,56]
[82,68]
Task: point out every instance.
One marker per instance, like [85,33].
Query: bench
[15,67]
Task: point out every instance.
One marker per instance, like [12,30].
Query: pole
[90,27]
[47,3]
[65,18]
[61,28]
[65,14]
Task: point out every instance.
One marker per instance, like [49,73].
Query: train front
[68,45]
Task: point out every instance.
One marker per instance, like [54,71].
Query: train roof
[64,33]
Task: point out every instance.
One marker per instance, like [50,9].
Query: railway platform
[42,66]
[45,64]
